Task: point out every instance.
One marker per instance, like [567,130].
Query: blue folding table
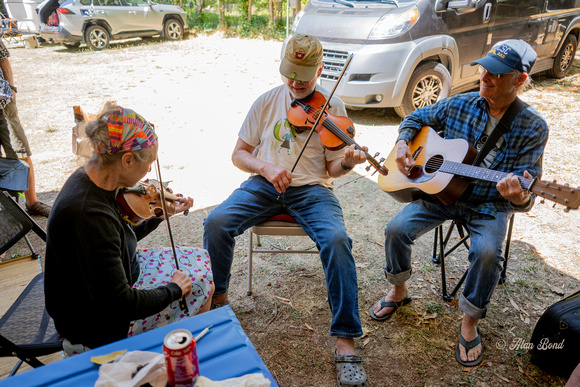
[225,352]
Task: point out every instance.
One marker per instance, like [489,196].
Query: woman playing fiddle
[92,263]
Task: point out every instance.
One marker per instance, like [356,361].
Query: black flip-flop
[389,304]
[468,345]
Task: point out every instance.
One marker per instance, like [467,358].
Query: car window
[102,2]
[137,3]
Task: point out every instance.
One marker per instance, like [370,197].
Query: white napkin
[250,380]
[147,367]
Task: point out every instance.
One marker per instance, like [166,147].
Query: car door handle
[486,12]
[132,13]
[101,12]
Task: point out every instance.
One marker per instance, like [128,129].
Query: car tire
[429,83]
[97,38]
[172,29]
[565,58]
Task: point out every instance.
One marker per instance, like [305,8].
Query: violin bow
[322,112]
[182,302]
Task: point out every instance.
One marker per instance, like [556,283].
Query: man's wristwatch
[14,88]
[345,167]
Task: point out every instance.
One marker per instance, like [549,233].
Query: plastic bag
[134,368]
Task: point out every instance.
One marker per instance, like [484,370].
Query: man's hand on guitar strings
[404,158]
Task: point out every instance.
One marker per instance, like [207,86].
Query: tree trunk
[249,10]
[221,12]
[198,6]
[271,5]
[297,9]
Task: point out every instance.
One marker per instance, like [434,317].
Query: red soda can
[181,358]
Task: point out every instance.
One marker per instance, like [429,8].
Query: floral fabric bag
[157,267]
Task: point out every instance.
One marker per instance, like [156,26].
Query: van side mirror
[459,6]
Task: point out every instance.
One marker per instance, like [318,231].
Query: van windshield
[349,3]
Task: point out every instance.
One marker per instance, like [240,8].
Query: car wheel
[172,30]
[565,58]
[97,38]
[429,83]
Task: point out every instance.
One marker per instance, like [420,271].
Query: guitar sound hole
[434,164]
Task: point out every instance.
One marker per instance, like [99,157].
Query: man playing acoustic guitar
[484,206]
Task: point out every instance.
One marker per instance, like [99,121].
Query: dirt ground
[197,92]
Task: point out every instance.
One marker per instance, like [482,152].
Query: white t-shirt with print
[266,127]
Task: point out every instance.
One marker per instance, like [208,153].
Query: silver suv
[97,22]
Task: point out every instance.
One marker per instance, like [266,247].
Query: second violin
[144,201]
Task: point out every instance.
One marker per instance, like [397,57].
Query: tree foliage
[246,18]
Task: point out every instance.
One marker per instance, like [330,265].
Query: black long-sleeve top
[91,266]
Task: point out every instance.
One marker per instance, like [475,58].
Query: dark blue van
[411,53]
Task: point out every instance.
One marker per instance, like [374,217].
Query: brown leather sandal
[39,208]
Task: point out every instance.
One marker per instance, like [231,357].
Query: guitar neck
[480,173]
[562,194]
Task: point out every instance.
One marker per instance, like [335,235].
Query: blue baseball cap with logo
[508,55]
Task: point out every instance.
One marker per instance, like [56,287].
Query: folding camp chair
[14,179]
[282,224]
[440,244]
[26,329]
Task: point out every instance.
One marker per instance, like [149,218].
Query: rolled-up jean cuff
[347,335]
[399,279]
[471,310]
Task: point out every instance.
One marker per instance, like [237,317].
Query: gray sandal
[350,371]
[215,305]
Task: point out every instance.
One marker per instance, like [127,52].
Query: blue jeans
[318,211]
[485,254]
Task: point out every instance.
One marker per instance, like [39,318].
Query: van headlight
[297,20]
[394,24]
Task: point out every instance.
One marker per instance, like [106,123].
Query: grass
[12,256]
[433,307]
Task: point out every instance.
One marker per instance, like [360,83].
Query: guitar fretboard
[477,172]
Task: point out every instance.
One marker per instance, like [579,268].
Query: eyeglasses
[296,80]
[482,70]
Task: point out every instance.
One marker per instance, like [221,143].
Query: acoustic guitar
[443,169]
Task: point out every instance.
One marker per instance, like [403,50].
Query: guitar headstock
[561,194]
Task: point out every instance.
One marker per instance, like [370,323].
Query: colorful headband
[128,131]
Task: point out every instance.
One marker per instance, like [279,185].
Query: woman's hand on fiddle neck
[183,204]
[175,207]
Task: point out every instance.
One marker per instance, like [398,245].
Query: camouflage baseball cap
[302,56]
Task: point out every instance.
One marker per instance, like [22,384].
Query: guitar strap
[502,127]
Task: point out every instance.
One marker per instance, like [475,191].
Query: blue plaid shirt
[465,116]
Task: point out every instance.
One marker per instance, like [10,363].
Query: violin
[145,201]
[335,132]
